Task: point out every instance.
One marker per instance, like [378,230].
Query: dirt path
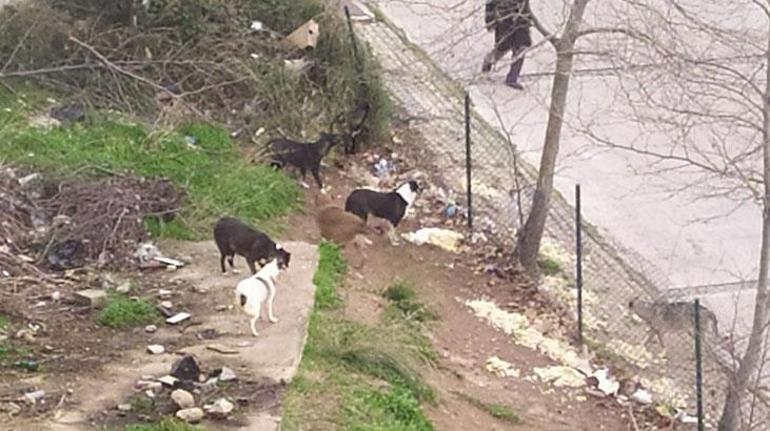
[269,361]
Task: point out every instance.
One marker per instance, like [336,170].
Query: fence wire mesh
[633,317]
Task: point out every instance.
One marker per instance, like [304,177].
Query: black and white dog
[260,287]
[305,156]
[392,206]
[234,237]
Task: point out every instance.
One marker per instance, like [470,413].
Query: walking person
[510,19]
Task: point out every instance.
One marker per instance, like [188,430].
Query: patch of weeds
[141,404]
[548,265]
[217,179]
[395,409]
[4,322]
[330,273]
[403,298]
[122,312]
[167,424]
[3,352]
[497,411]
[354,377]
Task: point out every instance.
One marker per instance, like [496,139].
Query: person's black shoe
[486,67]
[514,85]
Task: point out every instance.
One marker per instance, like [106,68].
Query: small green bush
[329,274]
[121,312]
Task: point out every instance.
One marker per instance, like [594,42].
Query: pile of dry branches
[105,215]
[203,56]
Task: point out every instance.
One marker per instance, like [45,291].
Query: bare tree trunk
[528,243]
[748,365]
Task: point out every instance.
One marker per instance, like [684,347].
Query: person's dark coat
[511,21]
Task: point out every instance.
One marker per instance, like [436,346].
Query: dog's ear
[414,186]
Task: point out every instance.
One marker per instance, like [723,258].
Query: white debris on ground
[517,325]
[501,368]
[443,238]
[560,376]
[551,250]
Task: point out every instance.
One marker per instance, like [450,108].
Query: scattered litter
[208,334]
[191,141]
[225,374]
[501,368]
[124,407]
[146,251]
[150,329]
[177,318]
[606,383]
[183,399]
[164,293]
[145,385]
[359,12]
[299,65]
[220,408]
[33,397]
[256,26]
[150,393]
[27,179]
[219,348]
[167,380]
[56,296]
[27,365]
[192,415]
[168,261]
[443,238]
[44,122]
[66,255]
[305,36]
[186,369]
[560,376]
[124,287]
[383,168]
[166,304]
[642,396]
[156,349]
[68,113]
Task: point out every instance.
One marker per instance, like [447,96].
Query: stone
[124,287]
[150,328]
[91,297]
[146,384]
[219,348]
[226,375]
[166,304]
[191,415]
[183,399]
[156,349]
[164,293]
[220,408]
[186,369]
[11,408]
[124,407]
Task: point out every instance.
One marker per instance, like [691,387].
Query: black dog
[388,205]
[302,155]
[353,126]
[234,237]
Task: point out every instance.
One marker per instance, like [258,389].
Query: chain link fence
[632,317]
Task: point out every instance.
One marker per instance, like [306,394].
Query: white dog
[252,292]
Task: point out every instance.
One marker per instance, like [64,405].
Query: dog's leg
[317,177]
[254,326]
[230,261]
[252,267]
[222,263]
[393,237]
[270,297]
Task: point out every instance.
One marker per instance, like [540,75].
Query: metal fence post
[579,263]
[468,157]
[698,365]
[359,66]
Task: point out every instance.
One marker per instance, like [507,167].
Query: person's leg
[512,79]
[491,58]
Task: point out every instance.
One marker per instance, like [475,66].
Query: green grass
[167,424]
[217,179]
[394,409]
[122,312]
[548,265]
[497,411]
[403,300]
[4,322]
[353,376]
[141,404]
[330,273]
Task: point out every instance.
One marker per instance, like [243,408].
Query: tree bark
[730,419]
[528,243]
